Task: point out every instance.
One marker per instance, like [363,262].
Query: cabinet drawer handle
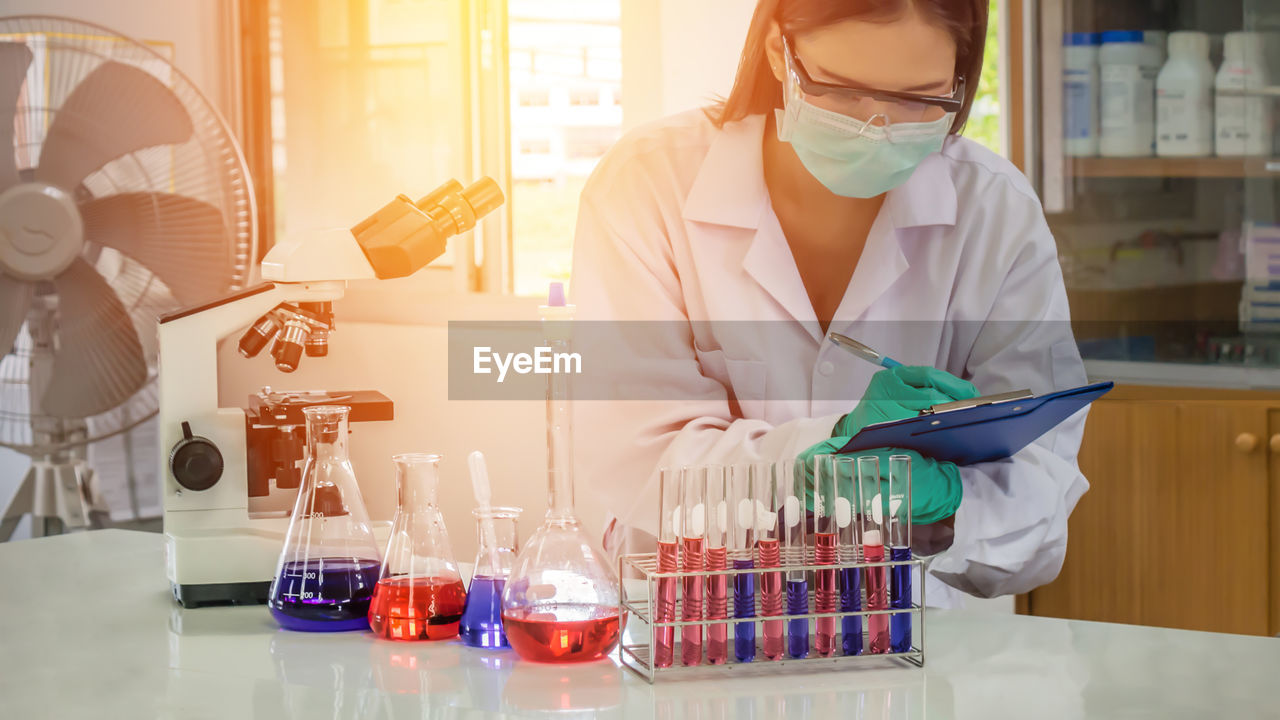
[1275,443]
[1248,442]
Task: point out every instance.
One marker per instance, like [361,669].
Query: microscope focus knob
[195,461]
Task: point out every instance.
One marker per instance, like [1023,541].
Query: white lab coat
[676,225]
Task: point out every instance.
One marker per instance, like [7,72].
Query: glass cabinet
[1154,137]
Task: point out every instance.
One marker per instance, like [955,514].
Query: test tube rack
[640,627]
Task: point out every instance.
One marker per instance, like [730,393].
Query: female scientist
[830,192]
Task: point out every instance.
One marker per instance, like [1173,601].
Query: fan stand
[58,496]
[59,490]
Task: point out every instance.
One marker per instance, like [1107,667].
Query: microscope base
[214,594]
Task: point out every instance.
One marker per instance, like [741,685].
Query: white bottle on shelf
[1243,121]
[1158,39]
[1184,98]
[1128,70]
[1080,94]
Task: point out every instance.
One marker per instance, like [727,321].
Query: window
[984,117]
[533,98]
[584,146]
[587,97]
[572,51]
[362,100]
[535,146]
[365,100]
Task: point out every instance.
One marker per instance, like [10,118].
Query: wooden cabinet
[1179,527]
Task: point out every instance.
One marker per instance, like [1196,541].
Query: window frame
[483,256]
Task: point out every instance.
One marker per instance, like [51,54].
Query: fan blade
[14,61]
[181,240]
[99,362]
[15,301]
[116,110]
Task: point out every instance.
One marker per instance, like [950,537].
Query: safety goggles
[867,103]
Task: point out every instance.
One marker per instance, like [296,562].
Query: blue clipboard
[978,434]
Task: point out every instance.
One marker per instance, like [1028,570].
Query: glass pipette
[480,486]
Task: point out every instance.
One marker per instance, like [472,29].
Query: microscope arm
[189,339]
[312,269]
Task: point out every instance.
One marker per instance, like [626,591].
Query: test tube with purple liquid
[795,541]
[850,546]
[741,541]
[899,522]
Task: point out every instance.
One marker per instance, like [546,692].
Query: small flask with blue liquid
[481,624]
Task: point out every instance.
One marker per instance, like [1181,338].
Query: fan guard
[107,126]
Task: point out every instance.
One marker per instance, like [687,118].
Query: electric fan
[123,196]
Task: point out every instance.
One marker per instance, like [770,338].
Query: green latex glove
[935,486]
[902,392]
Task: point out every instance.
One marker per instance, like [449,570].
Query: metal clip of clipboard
[978,402]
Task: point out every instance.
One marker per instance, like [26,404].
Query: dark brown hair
[756,90]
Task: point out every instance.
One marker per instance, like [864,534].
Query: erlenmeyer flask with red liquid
[420,595]
[561,602]
[329,565]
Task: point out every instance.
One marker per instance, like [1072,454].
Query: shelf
[1208,167]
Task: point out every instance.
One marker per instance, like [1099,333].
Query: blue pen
[853,346]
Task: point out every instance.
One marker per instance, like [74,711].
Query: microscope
[230,475]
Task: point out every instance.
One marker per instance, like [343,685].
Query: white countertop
[87,629]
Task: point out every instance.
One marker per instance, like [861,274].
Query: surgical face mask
[857,158]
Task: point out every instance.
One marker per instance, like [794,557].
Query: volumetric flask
[420,593]
[561,602]
[329,566]
[482,618]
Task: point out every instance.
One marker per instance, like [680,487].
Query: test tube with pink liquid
[826,548]
[872,516]
[717,559]
[668,562]
[692,530]
[771,493]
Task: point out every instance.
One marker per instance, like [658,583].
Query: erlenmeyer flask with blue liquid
[329,565]
[481,625]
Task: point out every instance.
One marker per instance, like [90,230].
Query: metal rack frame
[637,654]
